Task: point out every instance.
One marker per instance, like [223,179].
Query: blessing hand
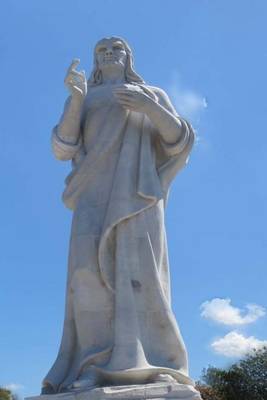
[133,99]
[75,80]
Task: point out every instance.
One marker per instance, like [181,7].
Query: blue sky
[211,57]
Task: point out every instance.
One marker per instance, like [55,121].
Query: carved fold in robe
[118,323]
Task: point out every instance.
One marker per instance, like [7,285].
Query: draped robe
[118,318]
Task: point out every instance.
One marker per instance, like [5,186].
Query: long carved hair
[130,75]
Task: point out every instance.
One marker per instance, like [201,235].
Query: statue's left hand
[133,99]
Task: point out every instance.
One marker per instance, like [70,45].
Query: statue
[126,143]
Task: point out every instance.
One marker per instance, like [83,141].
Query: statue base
[156,391]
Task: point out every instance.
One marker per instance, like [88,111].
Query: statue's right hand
[76,81]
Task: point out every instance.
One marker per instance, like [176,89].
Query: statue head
[113,52]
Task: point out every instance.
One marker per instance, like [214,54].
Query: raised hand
[76,80]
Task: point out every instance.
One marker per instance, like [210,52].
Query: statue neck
[113,76]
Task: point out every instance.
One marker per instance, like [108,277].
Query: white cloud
[222,312]
[188,103]
[14,387]
[236,345]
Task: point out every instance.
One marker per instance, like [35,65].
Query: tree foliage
[5,394]
[245,380]
[207,392]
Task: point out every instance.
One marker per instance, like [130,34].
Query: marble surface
[126,143]
[133,392]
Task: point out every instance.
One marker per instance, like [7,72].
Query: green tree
[207,392]
[245,380]
[5,394]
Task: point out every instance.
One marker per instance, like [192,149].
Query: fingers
[127,98]
[126,102]
[126,92]
[73,65]
[76,80]
[72,78]
[124,97]
[72,71]
[75,62]
[78,73]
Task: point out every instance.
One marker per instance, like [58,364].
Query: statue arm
[175,133]
[66,136]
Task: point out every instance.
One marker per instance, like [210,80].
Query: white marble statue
[126,143]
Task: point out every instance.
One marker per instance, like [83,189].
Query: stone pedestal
[156,391]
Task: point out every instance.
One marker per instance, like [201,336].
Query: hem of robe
[140,375]
[132,376]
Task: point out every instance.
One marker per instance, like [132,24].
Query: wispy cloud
[187,102]
[15,388]
[236,345]
[222,312]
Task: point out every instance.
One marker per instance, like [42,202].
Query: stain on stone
[102,283]
[163,325]
[136,284]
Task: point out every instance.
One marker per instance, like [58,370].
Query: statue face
[110,54]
